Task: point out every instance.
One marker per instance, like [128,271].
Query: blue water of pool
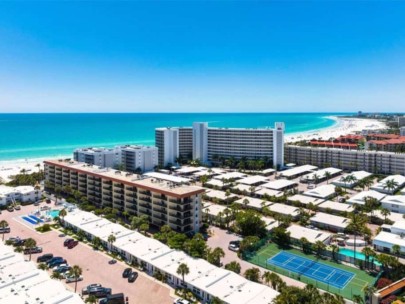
[29,220]
[359,255]
[53,213]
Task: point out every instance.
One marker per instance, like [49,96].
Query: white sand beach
[343,126]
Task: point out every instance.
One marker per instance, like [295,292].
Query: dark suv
[44,258]
[67,242]
[33,250]
[126,272]
[100,292]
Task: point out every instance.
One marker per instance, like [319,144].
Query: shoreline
[343,125]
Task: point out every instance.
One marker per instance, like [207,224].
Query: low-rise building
[23,194]
[384,186]
[394,203]
[253,203]
[304,200]
[384,241]
[323,192]
[360,198]
[358,176]
[335,207]
[271,223]
[329,222]
[284,210]
[312,236]
[280,185]
[230,176]
[269,192]
[297,171]
[320,175]
[219,195]
[203,279]
[253,180]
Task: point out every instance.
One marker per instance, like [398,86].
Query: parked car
[100,292]
[126,272]
[36,203]
[44,258]
[10,208]
[67,242]
[62,268]
[5,230]
[56,263]
[132,277]
[181,301]
[71,279]
[72,244]
[33,250]
[86,289]
[17,207]
[53,259]
[16,241]
[117,298]
[234,245]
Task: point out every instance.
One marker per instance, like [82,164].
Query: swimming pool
[29,220]
[53,213]
[359,255]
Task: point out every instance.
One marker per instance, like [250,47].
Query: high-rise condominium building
[130,157]
[402,131]
[401,121]
[208,143]
[163,202]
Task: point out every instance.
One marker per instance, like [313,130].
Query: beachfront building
[402,131]
[209,144]
[329,222]
[205,280]
[360,198]
[164,202]
[390,184]
[351,160]
[356,177]
[22,194]
[313,236]
[22,282]
[138,158]
[173,144]
[102,157]
[401,121]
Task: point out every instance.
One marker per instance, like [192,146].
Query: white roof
[219,194]
[270,222]
[394,200]
[284,209]
[398,227]
[321,173]
[336,206]
[387,239]
[305,200]
[329,219]
[397,178]
[167,177]
[359,197]
[253,179]
[279,184]
[6,190]
[298,171]
[358,175]
[298,232]
[214,209]
[188,170]
[269,192]
[253,202]
[394,216]
[215,182]
[242,187]
[267,171]
[324,191]
[231,175]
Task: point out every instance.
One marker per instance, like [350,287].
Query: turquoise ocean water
[27,136]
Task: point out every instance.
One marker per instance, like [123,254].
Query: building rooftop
[320,174]
[253,180]
[213,209]
[153,184]
[381,185]
[242,187]
[359,198]
[280,184]
[298,232]
[219,194]
[271,223]
[305,200]
[296,171]
[324,191]
[215,183]
[358,175]
[394,200]
[231,175]
[389,238]
[269,192]
[168,177]
[253,202]
[340,207]
[329,219]
[284,209]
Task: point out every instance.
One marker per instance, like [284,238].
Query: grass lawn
[354,287]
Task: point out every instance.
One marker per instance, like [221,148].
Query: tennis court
[311,268]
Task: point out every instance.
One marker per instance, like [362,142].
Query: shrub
[383,282]
[389,300]
[44,228]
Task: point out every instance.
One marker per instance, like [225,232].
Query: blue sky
[170,56]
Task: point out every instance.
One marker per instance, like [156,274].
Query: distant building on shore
[402,131]
[401,121]
[129,158]
[207,144]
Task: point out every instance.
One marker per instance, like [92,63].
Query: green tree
[143,228]
[357,222]
[43,266]
[96,242]
[358,299]
[214,256]
[396,250]
[233,266]
[335,250]
[75,272]
[385,212]
[196,247]
[29,244]
[248,243]
[137,222]
[249,222]
[252,274]
[281,237]
[183,270]
[3,225]
[111,239]
[91,299]
[56,275]
[319,248]
[391,185]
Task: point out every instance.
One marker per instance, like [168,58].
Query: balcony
[160,196]
[160,217]
[107,182]
[145,199]
[182,208]
[107,187]
[131,207]
[119,191]
[175,201]
[145,192]
[121,186]
[149,207]
[161,210]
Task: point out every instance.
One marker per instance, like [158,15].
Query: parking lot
[94,264]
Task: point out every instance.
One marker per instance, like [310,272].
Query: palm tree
[62,214]
[214,256]
[75,272]
[43,266]
[233,266]
[39,167]
[368,252]
[111,239]
[335,250]
[385,212]
[29,244]
[183,270]
[319,247]
[91,299]
[327,176]
[358,299]
[3,225]
[304,244]
[390,185]
[96,242]
[56,275]
[245,203]
[396,250]
[369,290]
[356,226]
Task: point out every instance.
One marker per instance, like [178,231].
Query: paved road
[94,264]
